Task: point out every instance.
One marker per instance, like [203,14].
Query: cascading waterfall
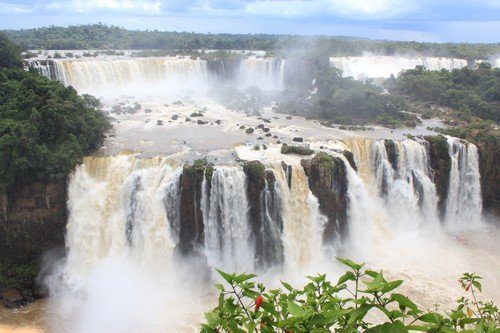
[267,74]
[146,75]
[463,204]
[227,232]
[117,205]
[373,66]
[155,75]
[303,224]
[127,207]
[401,177]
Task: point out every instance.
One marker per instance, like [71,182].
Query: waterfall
[464,203]
[303,224]
[267,74]
[401,177]
[139,75]
[228,244]
[373,66]
[117,205]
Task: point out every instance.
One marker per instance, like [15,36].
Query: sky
[424,20]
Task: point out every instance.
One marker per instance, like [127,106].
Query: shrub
[344,306]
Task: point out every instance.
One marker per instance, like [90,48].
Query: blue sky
[424,20]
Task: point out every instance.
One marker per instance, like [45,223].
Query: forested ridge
[101,36]
[45,127]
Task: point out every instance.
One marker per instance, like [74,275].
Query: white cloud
[11,8]
[88,6]
[351,9]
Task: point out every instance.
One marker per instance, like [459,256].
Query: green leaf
[350,263]
[219,286]
[228,277]
[287,286]
[294,309]
[433,318]
[348,276]
[243,277]
[251,326]
[404,301]
[477,285]
[395,327]
[213,319]
[391,285]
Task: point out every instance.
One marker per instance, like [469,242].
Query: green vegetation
[467,99]
[18,276]
[345,306]
[471,92]
[200,168]
[9,53]
[349,102]
[45,128]
[299,150]
[99,36]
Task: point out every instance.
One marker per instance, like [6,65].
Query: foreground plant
[322,306]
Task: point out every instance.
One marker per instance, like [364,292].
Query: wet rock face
[32,220]
[489,168]
[440,163]
[191,216]
[256,181]
[328,182]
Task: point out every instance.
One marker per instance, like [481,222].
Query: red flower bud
[468,287]
[258,302]
[289,331]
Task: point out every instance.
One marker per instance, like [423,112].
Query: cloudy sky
[420,20]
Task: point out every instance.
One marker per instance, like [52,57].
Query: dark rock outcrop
[440,163]
[328,182]
[191,236]
[32,222]
[489,168]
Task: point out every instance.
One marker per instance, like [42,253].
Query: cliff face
[489,168]
[32,222]
[440,163]
[328,182]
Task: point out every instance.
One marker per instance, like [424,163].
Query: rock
[260,138]
[288,117]
[289,149]
[265,129]
[148,110]
[260,126]
[489,168]
[440,163]
[298,139]
[249,130]
[268,134]
[159,122]
[188,119]
[267,120]
[218,121]
[201,122]
[12,298]
[328,182]
[175,117]
[179,102]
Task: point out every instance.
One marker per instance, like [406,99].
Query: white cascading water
[464,203]
[406,188]
[374,66]
[117,205]
[267,74]
[302,222]
[138,76]
[124,219]
[228,243]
